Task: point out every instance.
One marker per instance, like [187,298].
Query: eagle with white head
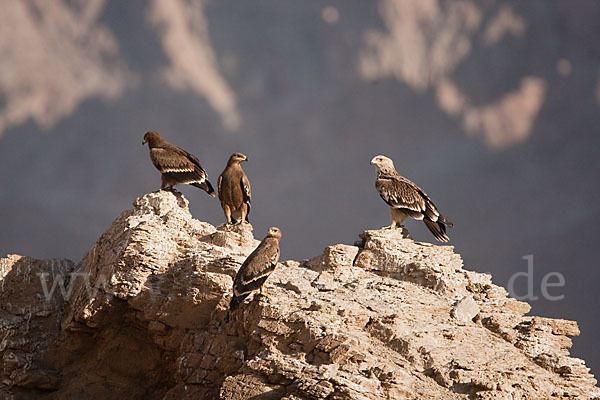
[406,199]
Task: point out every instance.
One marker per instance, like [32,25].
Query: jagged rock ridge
[144,315]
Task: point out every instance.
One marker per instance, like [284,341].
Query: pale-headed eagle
[234,190]
[176,165]
[256,269]
[407,199]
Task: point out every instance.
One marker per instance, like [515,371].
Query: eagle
[234,190]
[406,199]
[176,165]
[256,269]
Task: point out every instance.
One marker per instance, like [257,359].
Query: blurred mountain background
[492,107]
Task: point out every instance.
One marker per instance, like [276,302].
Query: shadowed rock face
[144,315]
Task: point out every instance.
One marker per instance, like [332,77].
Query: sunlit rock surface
[144,315]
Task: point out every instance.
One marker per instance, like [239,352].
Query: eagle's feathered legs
[236,216]
[227,212]
[397,217]
[167,183]
[243,214]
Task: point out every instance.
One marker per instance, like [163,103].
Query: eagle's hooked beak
[245,158]
[373,161]
[144,141]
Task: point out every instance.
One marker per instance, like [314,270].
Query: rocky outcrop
[144,315]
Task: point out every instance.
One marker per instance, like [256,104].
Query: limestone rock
[145,315]
[465,309]
[333,257]
[32,300]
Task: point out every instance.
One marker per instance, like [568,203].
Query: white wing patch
[188,181]
[176,170]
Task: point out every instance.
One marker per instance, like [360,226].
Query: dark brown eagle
[234,190]
[407,199]
[176,165]
[256,269]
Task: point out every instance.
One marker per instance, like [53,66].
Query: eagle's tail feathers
[445,221]
[206,186]
[438,229]
[236,301]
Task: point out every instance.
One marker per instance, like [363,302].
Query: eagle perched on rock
[176,165]
[407,199]
[256,269]
[234,190]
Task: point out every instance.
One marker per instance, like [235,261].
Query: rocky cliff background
[145,315]
[491,106]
